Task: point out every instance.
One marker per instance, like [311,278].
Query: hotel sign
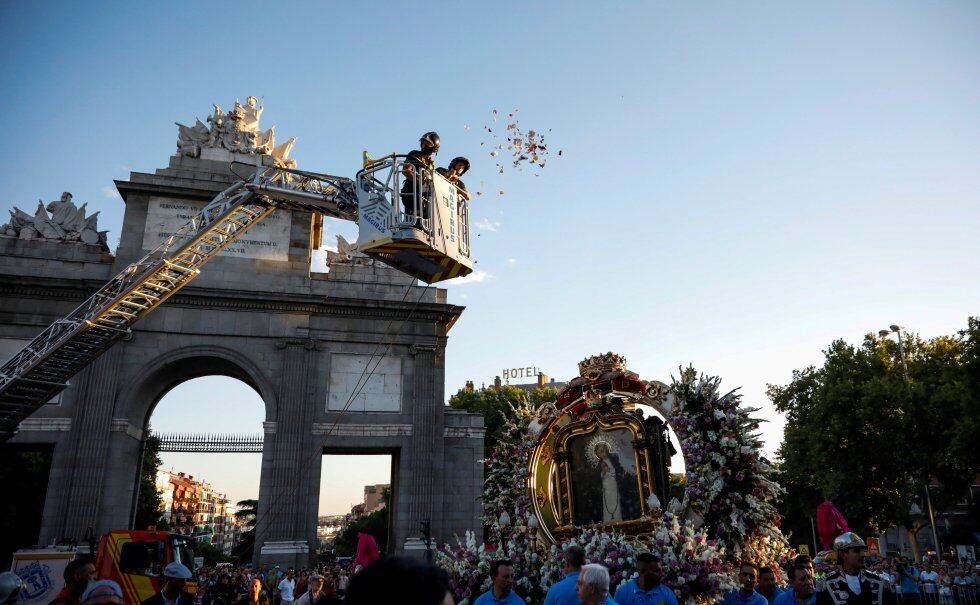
[515,373]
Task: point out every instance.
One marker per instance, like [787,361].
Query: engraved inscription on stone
[269,240]
[382,392]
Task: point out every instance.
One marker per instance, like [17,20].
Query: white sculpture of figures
[347,254]
[66,222]
[190,139]
[237,131]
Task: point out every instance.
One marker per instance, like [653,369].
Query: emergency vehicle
[131,558]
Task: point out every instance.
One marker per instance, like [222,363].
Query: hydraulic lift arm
[42,369]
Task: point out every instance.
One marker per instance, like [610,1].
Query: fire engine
[133,559]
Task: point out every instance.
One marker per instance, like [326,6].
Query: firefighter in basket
[416,169]
[457,168]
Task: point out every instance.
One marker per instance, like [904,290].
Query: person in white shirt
[286,588]
[928,578]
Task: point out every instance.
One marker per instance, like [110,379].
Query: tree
[376,524]
[149,504]
[858,434]
[211,553]
[246,514]
[496,404]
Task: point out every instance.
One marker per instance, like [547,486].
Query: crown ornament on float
[593,367]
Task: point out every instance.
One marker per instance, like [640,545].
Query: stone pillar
[286,527]
[79,468]
[426,453]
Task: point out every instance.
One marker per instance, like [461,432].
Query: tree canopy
[148,506]
[495,404]
[858,434]
[246,514]
[375,523]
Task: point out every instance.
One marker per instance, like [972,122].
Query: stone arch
[161,375]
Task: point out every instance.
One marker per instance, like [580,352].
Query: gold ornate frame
[563,503]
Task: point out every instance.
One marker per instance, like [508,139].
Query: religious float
[592,468]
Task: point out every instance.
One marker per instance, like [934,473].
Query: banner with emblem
[43,574]
[874,548]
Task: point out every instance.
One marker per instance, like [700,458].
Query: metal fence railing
[940,595]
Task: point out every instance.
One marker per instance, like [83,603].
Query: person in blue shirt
[746,595]
[908,577]
[767,586]
[800,590]
[648,587]
[501,590]
[563,592]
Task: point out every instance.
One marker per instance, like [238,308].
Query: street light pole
[901,351]
[908,386]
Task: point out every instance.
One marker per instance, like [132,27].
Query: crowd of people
[244,585]
[844,576]
[928,583]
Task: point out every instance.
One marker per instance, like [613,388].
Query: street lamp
[502,523]
[533,525]
[901,349]
[897,329]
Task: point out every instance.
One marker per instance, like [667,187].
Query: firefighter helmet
[457,160]
[430,139]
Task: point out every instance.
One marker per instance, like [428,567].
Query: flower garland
[507,469]
[728,483]
[695,566]
[505,491]
[612,549]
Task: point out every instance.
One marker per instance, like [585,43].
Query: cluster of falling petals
[514,147]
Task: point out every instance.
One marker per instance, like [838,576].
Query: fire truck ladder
[42,369]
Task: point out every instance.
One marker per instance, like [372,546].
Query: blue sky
[740,183]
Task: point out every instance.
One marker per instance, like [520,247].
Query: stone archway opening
[357,493]
[204,476]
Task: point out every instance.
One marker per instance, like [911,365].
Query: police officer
[175,576]
[851,583]
[415,169]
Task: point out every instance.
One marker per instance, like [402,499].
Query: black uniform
[874,590]
[157,599]
[455,180]
[421,165]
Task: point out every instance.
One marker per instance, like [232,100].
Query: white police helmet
[177,571]
[848,540]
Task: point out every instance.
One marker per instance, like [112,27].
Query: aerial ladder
[432,244]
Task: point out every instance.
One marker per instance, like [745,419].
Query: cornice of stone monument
[60,221]
[232,134]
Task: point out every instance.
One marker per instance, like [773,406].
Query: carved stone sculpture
[237,131]
[347,254]
[60,220]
